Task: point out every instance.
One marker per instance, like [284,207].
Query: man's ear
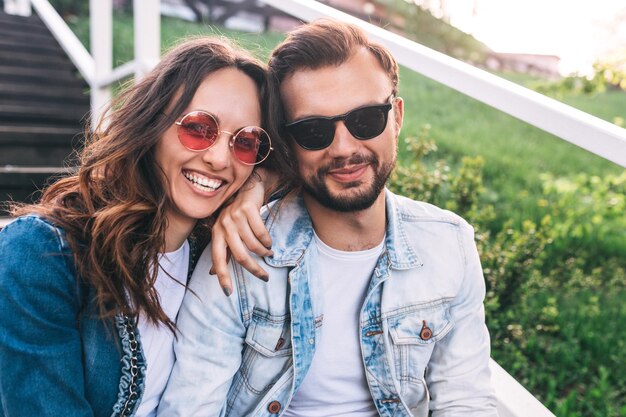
[398,113]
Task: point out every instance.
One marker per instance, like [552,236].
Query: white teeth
[203,183]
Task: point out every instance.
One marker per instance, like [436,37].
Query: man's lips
[348,174]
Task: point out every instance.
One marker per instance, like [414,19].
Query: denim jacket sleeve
[208,348]
[458,373]
[40,347]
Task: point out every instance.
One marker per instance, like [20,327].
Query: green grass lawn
[515,152]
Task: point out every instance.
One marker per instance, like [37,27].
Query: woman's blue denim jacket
[57,358]
[246,355]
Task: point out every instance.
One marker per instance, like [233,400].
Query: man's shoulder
[286,213]
[289,202]
[420,211]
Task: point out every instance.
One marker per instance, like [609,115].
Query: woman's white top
[158,342]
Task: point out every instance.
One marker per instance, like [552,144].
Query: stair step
[12,17]
[10,45]
[79,86]
[39,76]
[19,171]
[28,194]
[32,22]
[26,93]
[27,37]
[25,184]
[25,27]
[9,55]
[18,177]
[34,155]
[32,135]
[41,114]
[26,59]
[38,146]
[37,155]
[33,19]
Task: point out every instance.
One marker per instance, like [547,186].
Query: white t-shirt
[335,384]
[158,342]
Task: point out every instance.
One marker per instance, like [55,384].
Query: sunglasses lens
[197,131]
[368,122]
[252,145]
[313,134]
[318,132]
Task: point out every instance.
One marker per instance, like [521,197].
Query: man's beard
[348,200]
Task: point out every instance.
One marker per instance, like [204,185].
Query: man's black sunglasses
[315,133]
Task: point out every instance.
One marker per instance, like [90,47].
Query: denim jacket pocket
[414,334]
[267,354]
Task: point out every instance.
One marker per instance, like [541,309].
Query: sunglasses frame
[231,142]
[386,107]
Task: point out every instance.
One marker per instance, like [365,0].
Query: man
[374,301]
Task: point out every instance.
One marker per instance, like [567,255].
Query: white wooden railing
[588,132]
[97,68]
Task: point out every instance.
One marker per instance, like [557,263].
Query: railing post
[147,18]
[17,7]
[101,40]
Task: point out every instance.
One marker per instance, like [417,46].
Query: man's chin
[346,202]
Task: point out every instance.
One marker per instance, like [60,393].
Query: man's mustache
[357,159]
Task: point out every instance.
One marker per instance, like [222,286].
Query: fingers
[220,255]
[244,224]
[238,230]
[236,239]
[261,235]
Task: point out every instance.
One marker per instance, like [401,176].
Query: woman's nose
[219,156]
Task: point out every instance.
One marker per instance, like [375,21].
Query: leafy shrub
[606,75]
[556,284]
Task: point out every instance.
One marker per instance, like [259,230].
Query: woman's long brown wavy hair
[113,209]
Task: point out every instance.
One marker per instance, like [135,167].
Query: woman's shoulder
[32,229]
[32,240]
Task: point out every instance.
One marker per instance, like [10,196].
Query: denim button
[311,341]
[425,333]
[274,407]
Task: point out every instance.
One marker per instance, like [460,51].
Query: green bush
[556,284]
[606,75]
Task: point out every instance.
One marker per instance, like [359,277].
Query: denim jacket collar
[294,232]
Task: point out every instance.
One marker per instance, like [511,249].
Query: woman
[92,276]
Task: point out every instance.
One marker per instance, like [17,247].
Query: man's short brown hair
[326,42]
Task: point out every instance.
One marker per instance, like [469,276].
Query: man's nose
[344,143]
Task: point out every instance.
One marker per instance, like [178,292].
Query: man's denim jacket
[423,337]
